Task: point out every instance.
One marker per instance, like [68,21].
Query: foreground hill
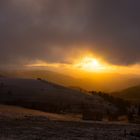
[132,94]
[47,96]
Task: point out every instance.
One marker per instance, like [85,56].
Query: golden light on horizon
[85,63]
[89,63]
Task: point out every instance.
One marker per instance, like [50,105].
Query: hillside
[132,94]
[47,96]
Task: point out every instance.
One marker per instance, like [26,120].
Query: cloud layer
[52,30]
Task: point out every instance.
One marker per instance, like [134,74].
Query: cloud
[55,30]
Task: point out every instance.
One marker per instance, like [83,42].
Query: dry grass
[18,123]
[15,112]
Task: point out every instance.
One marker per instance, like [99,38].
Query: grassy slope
[20,113]
[47,96]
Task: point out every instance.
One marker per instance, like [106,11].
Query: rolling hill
[131,93]
[47,96]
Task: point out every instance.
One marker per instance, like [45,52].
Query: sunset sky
[99,36]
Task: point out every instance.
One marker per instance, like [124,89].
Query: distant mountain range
[131,93]
[98,82]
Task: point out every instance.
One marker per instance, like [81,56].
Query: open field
[33,129]
[24,124]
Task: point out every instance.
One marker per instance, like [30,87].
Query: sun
[91,64]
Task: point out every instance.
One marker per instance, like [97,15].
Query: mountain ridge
[131,93]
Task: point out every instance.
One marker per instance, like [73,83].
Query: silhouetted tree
[121,104]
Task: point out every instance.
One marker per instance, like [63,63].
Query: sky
[56,32]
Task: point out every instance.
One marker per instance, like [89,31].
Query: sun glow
[91,64]
[84,64]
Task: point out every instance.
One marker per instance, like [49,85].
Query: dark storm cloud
[48,29]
